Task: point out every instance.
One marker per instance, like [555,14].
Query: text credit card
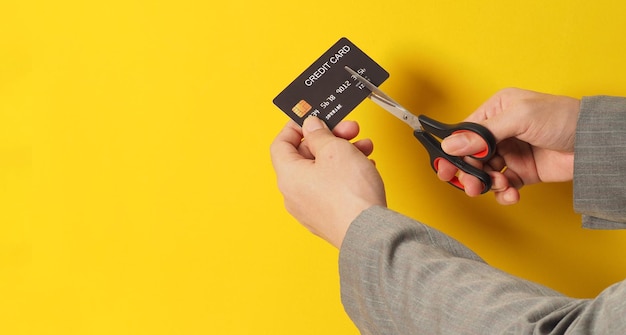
[326,90]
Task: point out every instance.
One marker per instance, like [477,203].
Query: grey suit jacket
[399,276]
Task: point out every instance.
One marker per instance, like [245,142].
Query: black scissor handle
[436,153]
[443,130]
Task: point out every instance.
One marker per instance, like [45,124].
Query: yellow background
[136,191]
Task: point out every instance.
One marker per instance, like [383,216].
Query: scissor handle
[436,154]
[443,130]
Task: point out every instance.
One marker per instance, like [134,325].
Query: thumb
[502,126]
[463,143]
[313,123]
[316,134]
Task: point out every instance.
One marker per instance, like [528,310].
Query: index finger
[285,145]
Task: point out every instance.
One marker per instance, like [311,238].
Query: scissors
[424,128]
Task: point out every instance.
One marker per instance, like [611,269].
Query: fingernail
[454,142]
[509,197]
[312,123]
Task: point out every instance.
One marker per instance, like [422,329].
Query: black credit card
[326,90]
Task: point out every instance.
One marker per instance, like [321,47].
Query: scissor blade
[398,111]
[387,103]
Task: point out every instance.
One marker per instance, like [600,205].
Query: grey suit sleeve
[600,162]
[401,277]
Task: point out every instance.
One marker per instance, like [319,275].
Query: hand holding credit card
[344,76]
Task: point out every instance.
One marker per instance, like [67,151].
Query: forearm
[600,162]
[402,277]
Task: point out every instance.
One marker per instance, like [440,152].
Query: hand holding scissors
[424,128]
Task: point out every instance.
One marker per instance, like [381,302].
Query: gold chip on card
[301,108]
